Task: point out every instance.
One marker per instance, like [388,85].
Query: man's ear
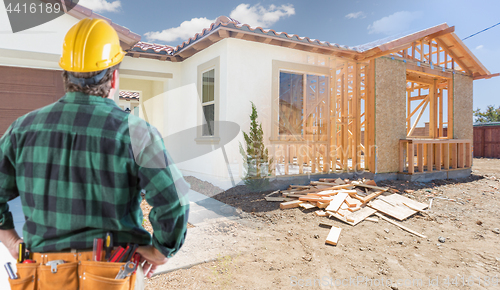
[114,80]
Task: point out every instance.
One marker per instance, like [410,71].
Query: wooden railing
[426,155]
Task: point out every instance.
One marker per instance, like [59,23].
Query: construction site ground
[269,248]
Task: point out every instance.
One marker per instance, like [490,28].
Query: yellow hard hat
[91,45]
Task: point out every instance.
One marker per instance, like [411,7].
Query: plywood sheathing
[390,112]
[462,92]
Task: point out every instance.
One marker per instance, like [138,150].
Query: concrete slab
[459,173]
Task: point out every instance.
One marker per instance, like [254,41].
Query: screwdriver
[108,245]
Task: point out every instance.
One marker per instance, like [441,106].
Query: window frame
[294,68]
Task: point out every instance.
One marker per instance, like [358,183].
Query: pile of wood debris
[349,201]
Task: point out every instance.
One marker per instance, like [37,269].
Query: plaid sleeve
[8,187]
[166,192]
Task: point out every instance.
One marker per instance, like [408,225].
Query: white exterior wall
[246,70]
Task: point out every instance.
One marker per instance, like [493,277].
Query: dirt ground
[288,250]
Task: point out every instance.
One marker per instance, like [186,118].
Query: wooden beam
[441,33]
[426,70]
[486,76]
[453,55]
[239,35]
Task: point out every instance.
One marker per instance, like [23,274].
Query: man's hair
[101,89]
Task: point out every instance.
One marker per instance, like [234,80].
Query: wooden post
[402,144]
[287,156]
[300,158]
[468,155]
[430,152]
[440,96]
[432,110]
[437,160]
[453,155]
[446,156]
[313,158]
[411,157]
[370,117]
[420,157]
[451,113]
[345,118]
[461,151]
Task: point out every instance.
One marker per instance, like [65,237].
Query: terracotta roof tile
[127,95]
[153,48]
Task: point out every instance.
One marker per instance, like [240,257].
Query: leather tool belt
[77,272]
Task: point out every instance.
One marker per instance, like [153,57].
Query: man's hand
[11,241]
[153,258]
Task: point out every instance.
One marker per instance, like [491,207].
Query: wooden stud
[451,112]
[430,154]
[468,155]
[453,155]
[461,152]
[446,156]
[437,160]
[411,154]
[420,157]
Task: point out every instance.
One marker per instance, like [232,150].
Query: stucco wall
[462,96]
[390,112]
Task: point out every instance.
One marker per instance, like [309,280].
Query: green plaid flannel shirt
[79,174]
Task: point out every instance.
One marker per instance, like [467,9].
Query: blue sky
[344,22]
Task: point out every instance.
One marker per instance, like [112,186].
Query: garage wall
[25,89]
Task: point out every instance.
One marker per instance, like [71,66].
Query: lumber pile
[348,201]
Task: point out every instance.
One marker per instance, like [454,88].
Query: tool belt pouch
[72,275]
[101,275]
[26,280]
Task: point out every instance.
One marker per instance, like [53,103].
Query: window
[208,80]
[302,108]
[208,102]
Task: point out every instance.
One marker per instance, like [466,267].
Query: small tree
[256,156]
[491,115]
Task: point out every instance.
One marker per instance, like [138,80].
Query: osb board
[390,112]
[462,93]
[397,206]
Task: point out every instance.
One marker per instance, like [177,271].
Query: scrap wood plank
[278,198]
[400,225]
[340,217]
[361,215]
[300,186]
[371,219]
[315,198]
[337,201]
[369,186]
[307,205]
[352,202]
[321,204]
[333,185]
[333,236]
[353,209]
[290,204]
[321,213]
[371,196]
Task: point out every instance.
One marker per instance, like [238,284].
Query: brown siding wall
[25,89]
[390,112]
[487,141]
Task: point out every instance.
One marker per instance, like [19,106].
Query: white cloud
[480,46]
[184,31]
[258,15]
[395,23]
[354,15]
[101,5]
